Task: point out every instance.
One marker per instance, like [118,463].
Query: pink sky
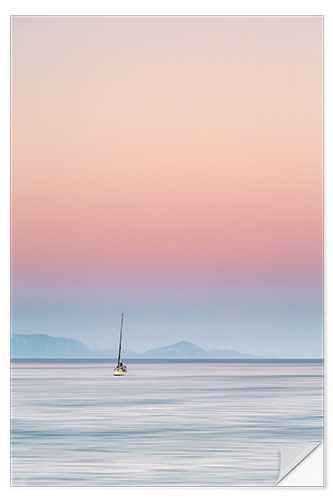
[155,149]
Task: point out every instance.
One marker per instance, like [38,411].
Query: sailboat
[120,368]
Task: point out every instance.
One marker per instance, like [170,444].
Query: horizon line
[251,360]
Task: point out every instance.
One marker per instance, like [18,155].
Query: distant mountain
[181,350]
[44,346]
[188,350]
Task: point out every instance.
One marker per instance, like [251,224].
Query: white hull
[119,373]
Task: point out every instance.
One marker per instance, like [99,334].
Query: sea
[167,423]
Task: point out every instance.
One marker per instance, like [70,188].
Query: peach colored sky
[161,149]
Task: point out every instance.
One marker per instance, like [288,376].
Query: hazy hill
[44,346]
[181,350]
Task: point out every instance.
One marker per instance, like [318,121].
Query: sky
[169,168]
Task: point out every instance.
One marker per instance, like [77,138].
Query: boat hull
[119,373]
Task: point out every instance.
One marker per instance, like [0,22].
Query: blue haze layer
[266,325]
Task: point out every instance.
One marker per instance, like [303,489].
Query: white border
[145,7]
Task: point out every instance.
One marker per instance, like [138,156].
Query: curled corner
[292,456]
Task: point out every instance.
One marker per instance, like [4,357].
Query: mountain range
[43,346]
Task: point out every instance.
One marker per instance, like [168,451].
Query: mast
[121,334]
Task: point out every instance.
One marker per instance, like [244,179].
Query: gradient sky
[171,168]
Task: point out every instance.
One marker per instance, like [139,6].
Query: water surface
[200,423]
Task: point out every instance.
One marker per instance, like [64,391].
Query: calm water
[167,423]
